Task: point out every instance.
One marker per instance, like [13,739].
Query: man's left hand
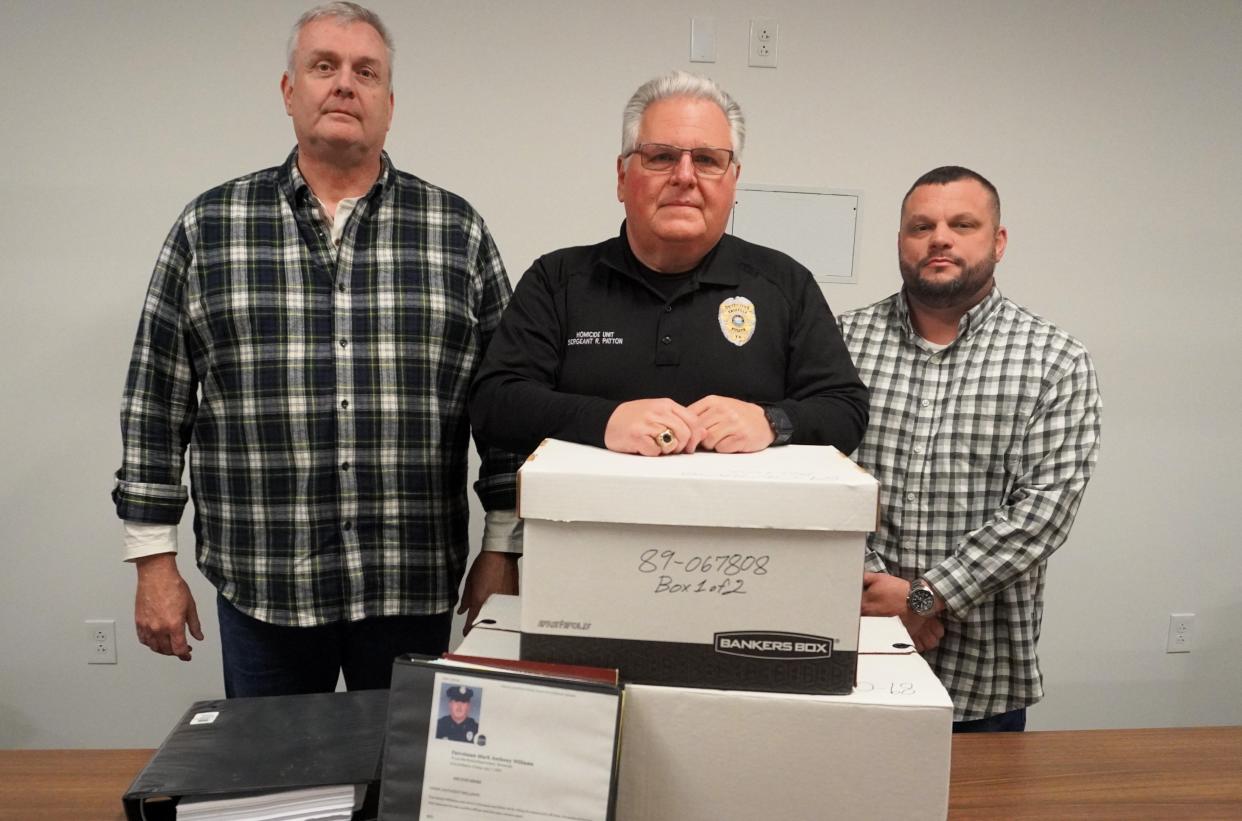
[733,426]
[884,595]
[492,572]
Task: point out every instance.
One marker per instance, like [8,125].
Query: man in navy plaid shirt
[309,334]
[984,430]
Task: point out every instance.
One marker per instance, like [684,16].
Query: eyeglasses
[711,162]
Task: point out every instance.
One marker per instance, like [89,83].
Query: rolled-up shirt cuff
[502,532]
[873,562]
[142,539]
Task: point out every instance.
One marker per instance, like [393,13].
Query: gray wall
[1109,127]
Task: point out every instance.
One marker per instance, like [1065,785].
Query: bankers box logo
[773,646]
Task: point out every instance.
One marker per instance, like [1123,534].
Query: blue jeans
[1013,721]
[262,659]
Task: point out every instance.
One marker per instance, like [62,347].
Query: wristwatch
[921,599]
[781,424]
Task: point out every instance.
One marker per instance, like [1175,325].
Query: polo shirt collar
[718,267]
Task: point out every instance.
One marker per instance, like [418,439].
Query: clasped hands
[713,423]
[885,595]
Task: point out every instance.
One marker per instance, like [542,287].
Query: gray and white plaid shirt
[983,450]
[321,393]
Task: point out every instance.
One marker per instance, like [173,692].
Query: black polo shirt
[585,331]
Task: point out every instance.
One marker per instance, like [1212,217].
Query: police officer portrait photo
[461,711]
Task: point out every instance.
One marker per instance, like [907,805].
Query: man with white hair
[672,336]
[309,333]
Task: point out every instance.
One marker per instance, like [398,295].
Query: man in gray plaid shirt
[309,335]
[985,423]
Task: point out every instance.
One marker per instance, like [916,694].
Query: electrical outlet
[101,641]
[764,37]
[1181,633]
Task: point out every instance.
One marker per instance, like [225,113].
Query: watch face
[921,600]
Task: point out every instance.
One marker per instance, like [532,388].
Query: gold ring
[665,438]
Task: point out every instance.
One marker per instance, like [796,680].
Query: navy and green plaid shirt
[321,395]
[983,450]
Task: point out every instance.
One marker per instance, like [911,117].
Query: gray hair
[681,84]
[344,13]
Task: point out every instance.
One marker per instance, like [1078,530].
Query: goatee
[947,293]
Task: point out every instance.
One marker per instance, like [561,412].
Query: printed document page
[502,748]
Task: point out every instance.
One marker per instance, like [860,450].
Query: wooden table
[60,785]
[1097,774]
[1131,774]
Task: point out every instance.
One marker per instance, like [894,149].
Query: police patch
[737,320]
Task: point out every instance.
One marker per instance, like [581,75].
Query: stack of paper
[312,804]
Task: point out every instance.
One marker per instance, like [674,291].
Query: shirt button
[345,404]
[344,465]
[918,448]
[347,526]
[910,497]
[925,403]
[668,309]
[341,288]
[344,343]
[667,340]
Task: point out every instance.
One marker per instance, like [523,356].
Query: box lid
[500,612]
[796,487]
[887,675]
[881,636]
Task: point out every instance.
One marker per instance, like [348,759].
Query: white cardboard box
[720,570]
[881,752]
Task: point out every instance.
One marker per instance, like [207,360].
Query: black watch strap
[781,424]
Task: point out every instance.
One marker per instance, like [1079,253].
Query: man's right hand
[925,631]
[164,607]
[885,595]
[634,426]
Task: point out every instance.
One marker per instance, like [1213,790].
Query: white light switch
[703,39]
